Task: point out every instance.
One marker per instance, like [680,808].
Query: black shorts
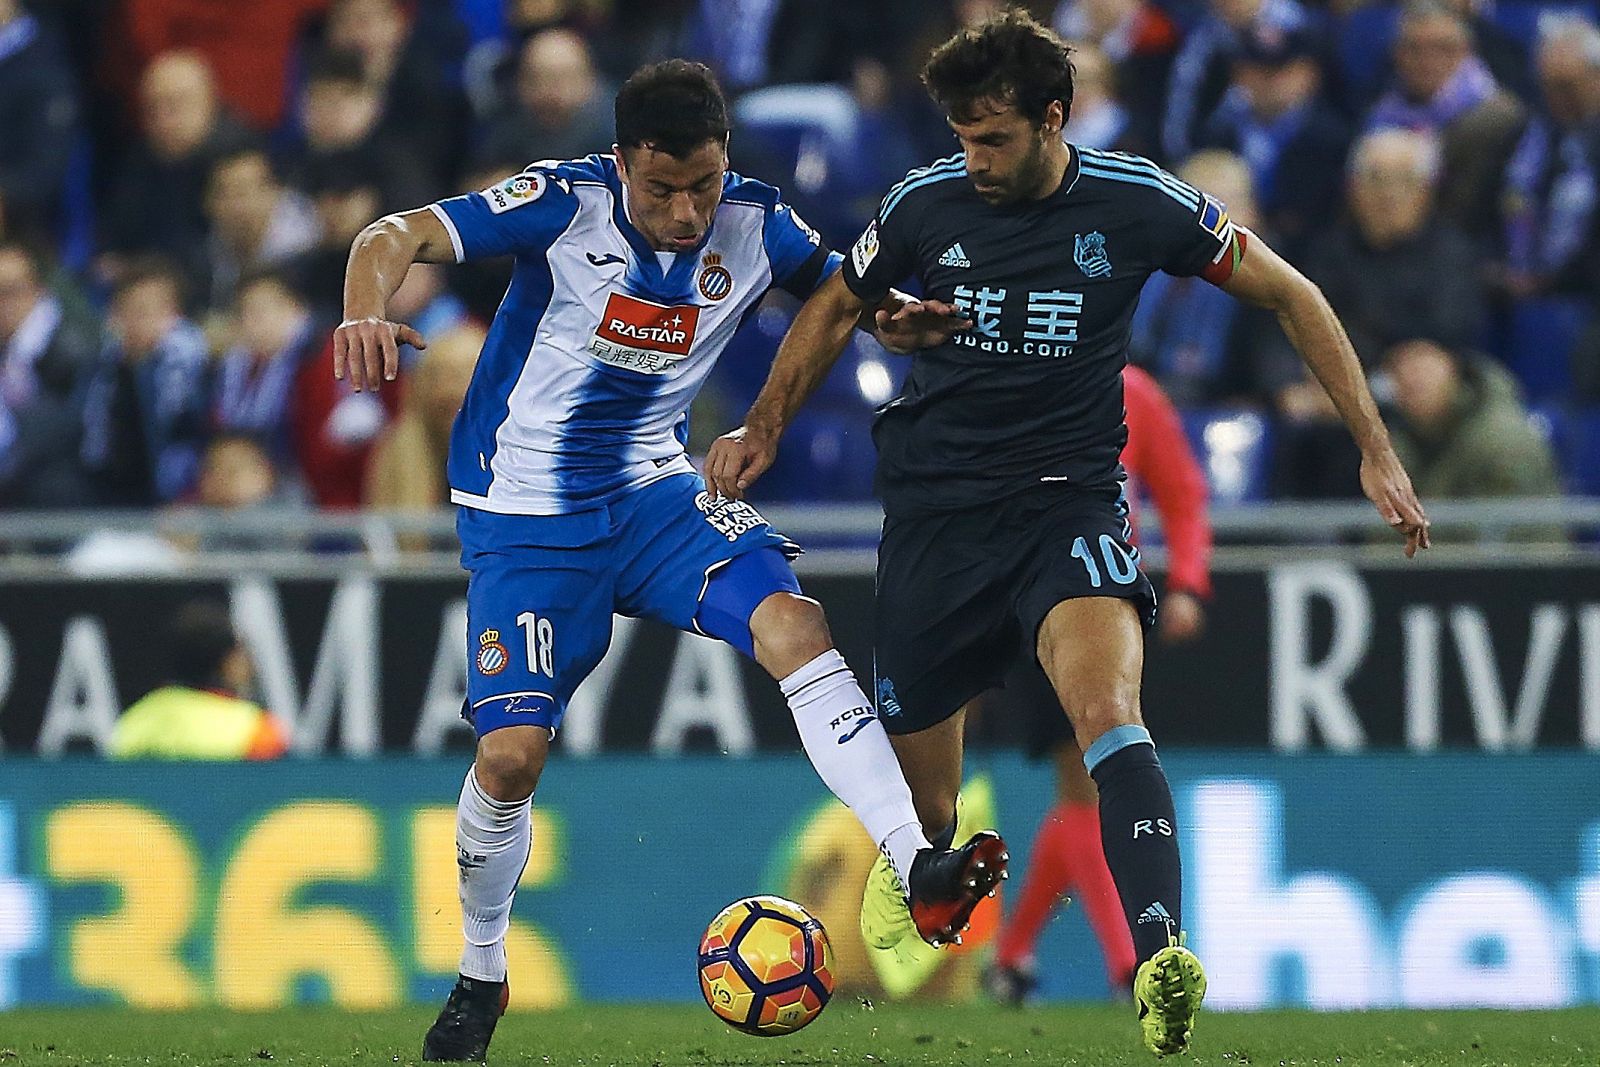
[961,594]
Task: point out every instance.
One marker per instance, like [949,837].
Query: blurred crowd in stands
[180,181]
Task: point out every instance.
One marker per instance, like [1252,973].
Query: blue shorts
[542,589]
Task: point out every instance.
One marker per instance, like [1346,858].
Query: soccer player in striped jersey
[1005,524]
[576,497]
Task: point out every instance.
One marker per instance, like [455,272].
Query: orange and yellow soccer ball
[765,966]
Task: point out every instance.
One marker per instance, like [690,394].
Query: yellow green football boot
[902,948]
[1168,988]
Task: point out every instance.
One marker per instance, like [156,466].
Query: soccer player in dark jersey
[998,466]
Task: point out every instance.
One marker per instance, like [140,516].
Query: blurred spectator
[1292,140]
[633,31]
[256,222]
[335,428]
[203,712]
[237,474]
[750,43]
[1553,181]
[44,354]
[340,119]
[249,45]
[1098,119]
[558,108]
[1501,49]
[421,108]
[256,377]
[1203,69]
[157,195]
[1139,40]
[407,468]
[1199,342]
[1442,87]
[344,191]
[1462,430]
[1392,271]
[38,118]
[147,413]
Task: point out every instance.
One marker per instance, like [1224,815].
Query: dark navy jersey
[1032,394]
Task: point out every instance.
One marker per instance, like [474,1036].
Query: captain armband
[1234,242]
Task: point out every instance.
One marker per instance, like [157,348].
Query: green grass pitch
[848,1033]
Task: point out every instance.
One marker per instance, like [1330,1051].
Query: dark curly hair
[673,107]
[1009,59]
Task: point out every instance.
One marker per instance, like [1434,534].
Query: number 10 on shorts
[1121,567]
[541,638]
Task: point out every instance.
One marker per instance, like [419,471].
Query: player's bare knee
[789,631]
[509,761]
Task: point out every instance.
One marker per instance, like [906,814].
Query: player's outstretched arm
[809,350]
[366,344]
[1263,277]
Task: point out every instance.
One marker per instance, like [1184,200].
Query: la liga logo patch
[492,655]
[515,191]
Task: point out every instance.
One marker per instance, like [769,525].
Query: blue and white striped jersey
[601,343]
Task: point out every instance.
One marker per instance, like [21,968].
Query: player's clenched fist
[737,459]
[367,351]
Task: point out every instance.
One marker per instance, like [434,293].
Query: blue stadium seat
[1234,446]
[1536,342]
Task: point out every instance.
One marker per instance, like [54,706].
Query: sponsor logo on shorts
[643,336]
[492,655]
[730,518]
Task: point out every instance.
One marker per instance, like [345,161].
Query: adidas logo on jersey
[954,257]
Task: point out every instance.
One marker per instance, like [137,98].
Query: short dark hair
[674,107]
[280,277]
[338,65]
[1010,59]
[152,267]
[199,639]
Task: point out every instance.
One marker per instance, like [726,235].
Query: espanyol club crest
[492,655]
[715,281]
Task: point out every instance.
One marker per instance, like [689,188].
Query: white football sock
[848,747]
[493,838]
